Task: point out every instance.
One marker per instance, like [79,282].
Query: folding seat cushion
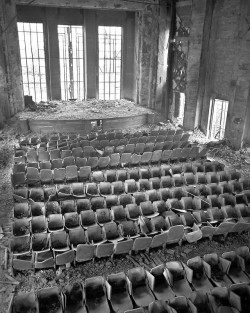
[212,177]
[165,194]
[32,156]
[133,140]
[71,173]
[19,168]
[156,171]
[95,234]
[55,222]
[167,145]
[194,153]
[92,162]
[166,155]
[111,200]
[142,139]
[149,147]
[66,154]
[139,197]
[177,137]
[131,186]
[37,208]
[77,152]
[133,174]
[139,148]
[133,211]
[64,191]
[148,209]
[94,143]
[21,226]
[125,159]
[119,295]
[129,148]
[74,298]
[36,194]
[32,176]
[201,178]
[155,183]
[114,160]
[40,242]
[144,184]
[105,188]
[110,176]
[189,178]
[118,188]
[112,232]
[243,212]
[114,142]
[83,205]
[103,162]
[84,173]
[67,161]
[55,154]
[135,160]
[88,151]
[59,175]
[46,176]
[71,220]
[39,224]
[176,153]
[25,303]
[243,291]
[215,201]
[81,162]
[108,150]
[167,182]
[68,206]
[20,194]
[160,139]
[156,156]
[96,300]
[105,249]
[119,148]
[125,199]
[151,139]
[245,183]
[56,163]
[141,293]
[78,190]
[49,298]
[178,193]
[20,159]
[236,270]
[145,173]
[97,176]
[236,186]
[152,195]
[118,213]
[175,145]
[97,203]
[103,216]
[92,189]
[18,178]
[52,207]
[84,142]
[161,288]
[227,199]
[146,157]
[122,175]
[87,218]
[50,193]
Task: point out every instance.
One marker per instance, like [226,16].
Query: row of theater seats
[209,284]
[104,233]
[77,168]
[101,144]
[34,156]
[33,141]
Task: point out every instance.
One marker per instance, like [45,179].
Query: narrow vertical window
[217,119]
[110,51]
[31,42]
[71,62]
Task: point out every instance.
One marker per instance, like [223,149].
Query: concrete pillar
[11,97]
[194,62]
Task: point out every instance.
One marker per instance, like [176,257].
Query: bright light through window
[110,51]
[31,42]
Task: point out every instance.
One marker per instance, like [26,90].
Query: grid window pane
[71,53]
[31,43]
[110,45]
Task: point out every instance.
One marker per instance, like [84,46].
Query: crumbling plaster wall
[218,65]
[11,93]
